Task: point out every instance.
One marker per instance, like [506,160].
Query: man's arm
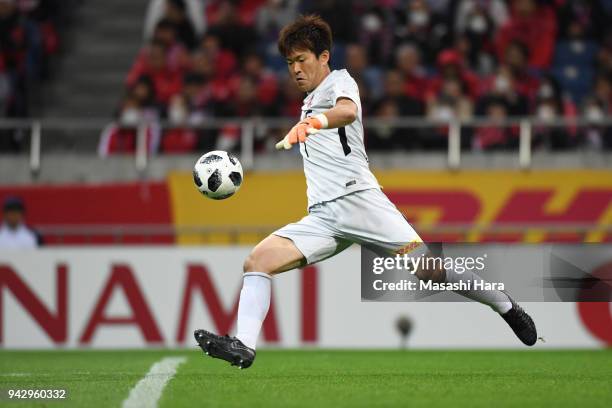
[344,113]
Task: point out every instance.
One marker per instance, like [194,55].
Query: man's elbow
[350,115]
[346,111]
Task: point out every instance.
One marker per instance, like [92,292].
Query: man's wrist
[322,119]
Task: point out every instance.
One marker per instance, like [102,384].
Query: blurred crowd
[29,38]
[440,59]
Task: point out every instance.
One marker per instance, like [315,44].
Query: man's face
[356,58]
[306,70]
[157,58]
[13,218]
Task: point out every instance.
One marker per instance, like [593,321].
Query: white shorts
[365,217]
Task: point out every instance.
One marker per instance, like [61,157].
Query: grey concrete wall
[64,168]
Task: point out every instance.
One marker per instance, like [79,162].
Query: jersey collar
[311,93]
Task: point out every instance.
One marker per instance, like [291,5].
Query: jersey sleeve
[345,87]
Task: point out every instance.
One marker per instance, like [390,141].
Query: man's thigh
[370,219]
[314,237]
[274,255]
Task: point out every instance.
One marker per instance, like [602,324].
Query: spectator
[246,103]
[179,138]
[232,35]
[502,86]
[394,90]
[452,102]
[587,16]
[28,37]
[186,15]
[529,22]
[198,93]
[290,100]
[143,91]
[408,63]
[548,109]
[217,88]
[358,66]
[385,137]
[418,25]
[602,92]
[549,90]
[120,137]
[516,58]
[595,108]
[21,54]
[269,20]
[177,55]
[595,134]
[376,34]
[474,15]
[273,16]
[224,61]
[266,86]
[14,233]
[604,57]
[475,30]
[496,135]
[167,80]
[197,90]
[44,37]
[452,67]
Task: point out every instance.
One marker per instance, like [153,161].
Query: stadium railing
[250,126]
[198,234]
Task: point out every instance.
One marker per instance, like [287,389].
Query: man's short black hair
[309,33]
[13,204]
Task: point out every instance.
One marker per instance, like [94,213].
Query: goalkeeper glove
[302,130]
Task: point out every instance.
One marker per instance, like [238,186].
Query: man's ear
[324,57]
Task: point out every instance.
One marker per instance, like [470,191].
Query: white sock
[498,300]
[253,306]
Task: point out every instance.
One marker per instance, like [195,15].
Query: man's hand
[302,130]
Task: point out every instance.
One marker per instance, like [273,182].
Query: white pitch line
[149,389]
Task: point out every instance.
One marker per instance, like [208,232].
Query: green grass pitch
[323,378]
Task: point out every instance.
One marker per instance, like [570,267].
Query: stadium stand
[461,60]
[183,64]
[30,41]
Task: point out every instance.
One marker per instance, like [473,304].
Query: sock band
[262,274]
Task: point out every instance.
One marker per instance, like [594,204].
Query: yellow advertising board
[533,206]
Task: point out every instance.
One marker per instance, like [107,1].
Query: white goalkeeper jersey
[335,161]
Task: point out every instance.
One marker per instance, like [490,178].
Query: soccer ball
[217,174]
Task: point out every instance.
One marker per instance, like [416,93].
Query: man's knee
[437,275]
[432,271]
[257,262]
[253,263]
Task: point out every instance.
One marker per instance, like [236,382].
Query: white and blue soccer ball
[217,174]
